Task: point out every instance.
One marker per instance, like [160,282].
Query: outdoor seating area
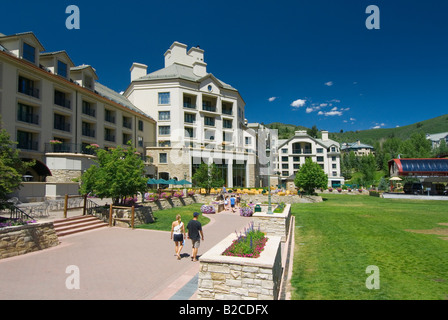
[43,209]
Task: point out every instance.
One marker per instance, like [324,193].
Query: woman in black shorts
[177,234]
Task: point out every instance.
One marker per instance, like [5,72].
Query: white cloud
[379,125]
[329,83]
[352,119]
[309,110]
[330,113]
[298,103]
[271,99]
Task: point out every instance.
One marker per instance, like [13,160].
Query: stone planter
[234,278]
[276,224]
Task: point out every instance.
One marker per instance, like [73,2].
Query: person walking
[232,202]
[177,234]
[196,235]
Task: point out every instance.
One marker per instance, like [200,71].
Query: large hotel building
[177,117]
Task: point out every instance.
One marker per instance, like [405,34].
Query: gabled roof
[59,53]
[179,71]
[437,136]
[112,95]
[24,34]
[327,143]
[355,145]
[83,67]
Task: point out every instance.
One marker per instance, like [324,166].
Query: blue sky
[315,59]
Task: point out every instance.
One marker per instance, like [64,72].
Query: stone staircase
[73,225]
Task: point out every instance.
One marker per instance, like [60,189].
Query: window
[88,109]
[140,125]
[335,174]
[61,123]
[333,165]
[296,166]
[127,122]
[109,135]
[320,150]
[208,121]
[164,98]
[189,102]
[163,158]
[320,159]
[333,158]
[60,99]
[126,138]
[62,69]
[29,53]
[284,150]
[285,166]
[227,124]
[285,173]
[190,118]
[109,116]
[189,133]
[248,140]
[333,149]
[164,115]
[296,159]
[285,159]
[227,108]
[88,129]
[28,87]
[164,130]
[140,141]
[27,114]
[26,140]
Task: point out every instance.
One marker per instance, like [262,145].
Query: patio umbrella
[161,181]
[183,182]
[171,181]
[395,179]
[152,181]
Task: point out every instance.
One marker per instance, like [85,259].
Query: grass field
[164,218]
[336,241]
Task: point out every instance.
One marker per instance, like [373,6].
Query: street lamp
[268,154]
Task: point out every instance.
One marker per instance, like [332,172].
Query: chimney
[138,70]
[324,135]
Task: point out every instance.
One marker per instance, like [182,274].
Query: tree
[442,149]
[417,146]
[12,167]
[311,176]
[118,173]
[208,176]
[368,169]
[313,132]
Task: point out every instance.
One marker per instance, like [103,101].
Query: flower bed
[249,245]
[14,222]
[208,209]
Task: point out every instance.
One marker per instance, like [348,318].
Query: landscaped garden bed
[247,245]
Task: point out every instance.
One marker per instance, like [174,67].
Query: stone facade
[15,241]
[276,224]
[234,278]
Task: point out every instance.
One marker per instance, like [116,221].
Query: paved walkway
[114,263]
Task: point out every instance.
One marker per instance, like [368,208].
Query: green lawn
[164,218]
[336,241]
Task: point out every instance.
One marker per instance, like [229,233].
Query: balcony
[302,151]
[30,118]
[28,145]
[109,137]
[88,133]
[68,148]
[32,92]
[62,102]
[63,126]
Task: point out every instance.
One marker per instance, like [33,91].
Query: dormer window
[29,53]
[62,69]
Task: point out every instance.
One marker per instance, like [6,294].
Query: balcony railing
[68,148]
[109,137]
[88,133]
[28,117]
[63,126]
[302,151]
[62,102]
[32,92]
[28,145]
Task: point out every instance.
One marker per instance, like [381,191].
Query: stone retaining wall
[234,278]
[19,240]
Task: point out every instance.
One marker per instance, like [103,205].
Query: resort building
[360,149]
[55,110]
[200,119]
[292,154]
[436,138]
